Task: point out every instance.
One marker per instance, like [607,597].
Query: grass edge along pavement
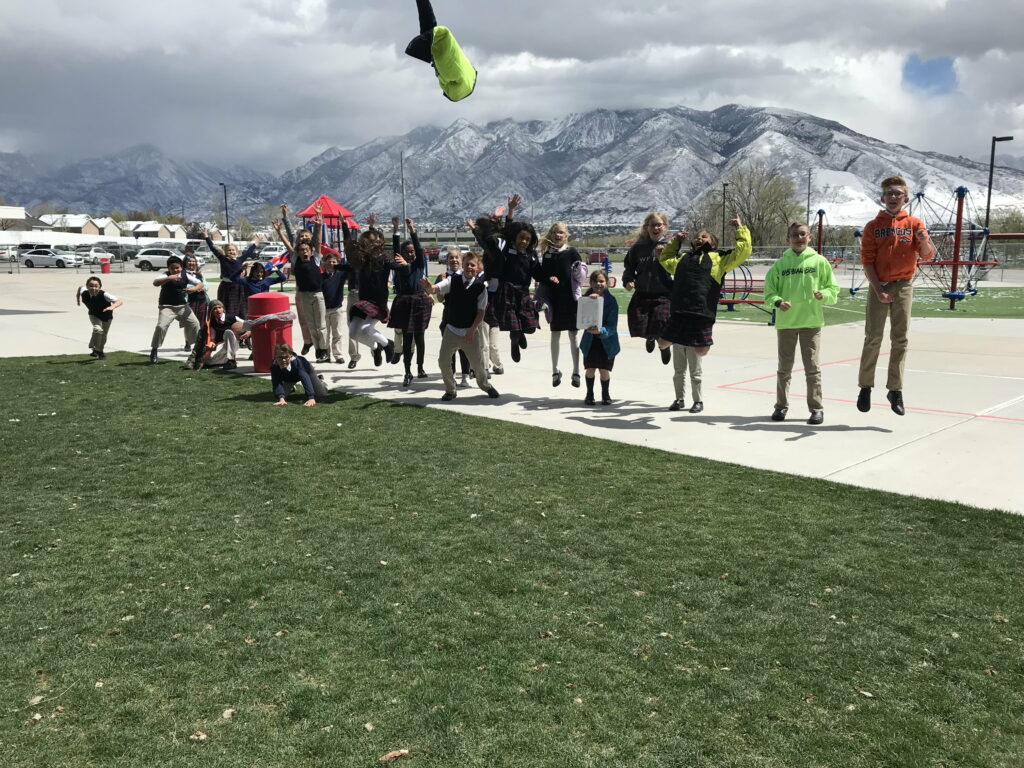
[482,593]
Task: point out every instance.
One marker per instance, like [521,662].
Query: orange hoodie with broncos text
[889,245]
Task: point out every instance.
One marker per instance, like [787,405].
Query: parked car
[91,254]
[156,258]
[119,251]
[23,247]
[48,257]
[8,253]
[271,250]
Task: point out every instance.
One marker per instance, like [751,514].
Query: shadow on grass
[86,361]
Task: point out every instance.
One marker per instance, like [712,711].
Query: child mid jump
[798,284]
[696,288]
[889,249]
[101,306]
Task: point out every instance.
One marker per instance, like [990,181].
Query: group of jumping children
[675,286]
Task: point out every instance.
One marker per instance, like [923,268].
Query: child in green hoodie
[798,285]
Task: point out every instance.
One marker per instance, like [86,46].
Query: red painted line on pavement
[795,371]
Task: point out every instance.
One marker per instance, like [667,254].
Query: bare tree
[761,195]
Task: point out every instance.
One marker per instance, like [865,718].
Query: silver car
[48,257]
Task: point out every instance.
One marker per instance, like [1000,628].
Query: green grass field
[195,578]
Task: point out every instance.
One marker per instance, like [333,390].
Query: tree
[243,228]
[194,230]
[760,194]
[1011,221]
[117,215]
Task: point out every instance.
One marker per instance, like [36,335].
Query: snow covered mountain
[138,178]
[613,166]
[598,167]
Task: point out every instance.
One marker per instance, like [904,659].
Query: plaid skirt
[515,309]
[596,357]
[648,315]
[234,298]
[491,313]
[411,313]
[197,303]
[367,308]
[689,330]
[563,314]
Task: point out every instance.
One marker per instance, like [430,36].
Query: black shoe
[421,374]
[697,407]
[389,353]
[378,356]
[817,417]
[588,400]
[677,405]
[516,356]
[666,355]
[407,380]
[779,414]
[864,400]
[575,381]
[606,401]
[339,360]
[93,353]
[188,347]
[351,364]
[152,356]
[101,356]
[556,378]
[649,345]
[895,397]
[322,356]
[230,365]
[522,341]
[447,397]
[492,393]
[306,348]
[498,370]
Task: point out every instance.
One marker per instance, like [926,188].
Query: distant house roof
[12,212]
[105,221]
[66,220]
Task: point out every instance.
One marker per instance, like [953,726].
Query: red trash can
[268,335]
[104,265]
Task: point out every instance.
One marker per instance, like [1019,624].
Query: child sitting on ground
[289,369]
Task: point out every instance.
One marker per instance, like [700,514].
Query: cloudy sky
[269,83]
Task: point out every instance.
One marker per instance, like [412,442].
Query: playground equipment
[952,271]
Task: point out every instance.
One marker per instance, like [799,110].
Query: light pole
[227,222]
[724,185]
[991,170]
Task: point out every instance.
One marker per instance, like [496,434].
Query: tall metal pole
[961,193]
[809,196]
[821,228]
[724,185]
[991,170]
[405,213]
[227,221]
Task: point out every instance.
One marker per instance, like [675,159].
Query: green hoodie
[794,278]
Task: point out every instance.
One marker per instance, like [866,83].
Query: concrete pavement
[961,440]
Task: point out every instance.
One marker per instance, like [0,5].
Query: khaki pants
[309,306]
[491,335]
[170,313]
[450,344]
[810,343]
[100,328]
[335,322]
[223,352]
[902,292]
[683,359]
[353,345]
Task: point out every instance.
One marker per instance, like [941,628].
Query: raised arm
[213,248]
[287,225]
[421,259]
[744,247]
[282,236]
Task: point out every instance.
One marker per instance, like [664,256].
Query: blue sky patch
[933,76]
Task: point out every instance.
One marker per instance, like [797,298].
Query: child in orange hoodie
[891,244]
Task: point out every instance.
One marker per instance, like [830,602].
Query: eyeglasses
[893,193]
